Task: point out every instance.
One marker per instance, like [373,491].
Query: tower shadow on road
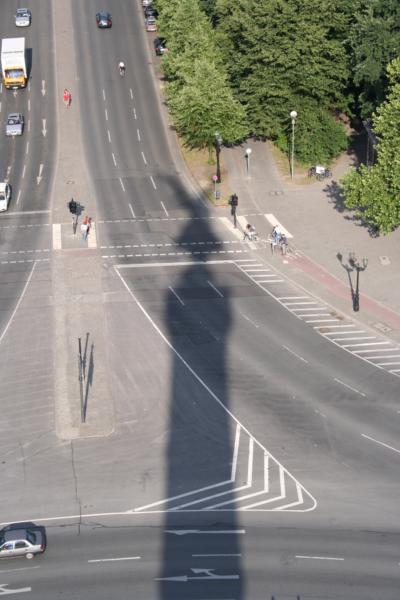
[201,545]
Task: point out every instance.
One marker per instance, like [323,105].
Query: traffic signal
[72,206]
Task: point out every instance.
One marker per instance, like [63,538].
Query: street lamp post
[355,263]
[293,116]
[218,143]
[248,152]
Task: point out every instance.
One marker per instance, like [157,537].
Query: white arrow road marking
[205,531]
[39,177]
[204,575]
[43,87]
[3,590]
[44,131]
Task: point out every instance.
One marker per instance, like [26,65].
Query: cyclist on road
[121,68]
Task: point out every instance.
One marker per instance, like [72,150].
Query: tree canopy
[374,193]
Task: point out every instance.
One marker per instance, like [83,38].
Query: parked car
[23,17]
[160,46]
[15,124]
[150,11]
[146,2]
[103,20]
[22,539]
[5,195]
[151,24]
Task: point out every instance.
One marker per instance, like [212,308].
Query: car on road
[5,195]
[15,124]
[160,46]
[103,20]
[23,17]
[151,24]
[22,539]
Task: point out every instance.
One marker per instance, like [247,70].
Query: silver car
[22,539]
[23,17]
[15,124]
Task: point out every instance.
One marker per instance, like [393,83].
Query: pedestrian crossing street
[337,328]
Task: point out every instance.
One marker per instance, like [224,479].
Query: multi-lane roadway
[253,453]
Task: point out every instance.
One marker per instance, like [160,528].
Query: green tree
[204,105]
[374,193]
[374,42]
[282,55]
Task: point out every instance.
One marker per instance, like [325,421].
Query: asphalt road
[272,449]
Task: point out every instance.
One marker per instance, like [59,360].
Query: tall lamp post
[248,152]
[293,116]
[355,263]
[218,143]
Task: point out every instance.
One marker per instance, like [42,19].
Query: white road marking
[44,131]
[343,332]
[23,172]
[249,320]
[387,356]
[295,354]
[332,326]
[29,104]
[109,135]
[105,110]
[217,555]
[153,182]
[19,569]
[274,221]
[292,297]
[354,339]
[134,113]
[165,210]
[386,364]
[203,575]
[301,304]
[215,289]
[56,236]
[122,185]
[181,532]
[377,442]
[113,157]
[19,196]
[138,134]
[104,94]
[39,177]
[375,350]
[131,93]
[176,295]
[319,557]
[144,158]
[131,209]
[27,148]
[18,303]
[235,452]
[366,344]
[349,387]
[5,592]
[43,87]
[323,321]
[102,560]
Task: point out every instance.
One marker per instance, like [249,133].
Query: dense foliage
[241,66]
[374,193]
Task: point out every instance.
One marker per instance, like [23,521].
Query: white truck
[13,63]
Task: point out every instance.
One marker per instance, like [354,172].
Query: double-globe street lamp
[218,144]
[355,263]
[293,116]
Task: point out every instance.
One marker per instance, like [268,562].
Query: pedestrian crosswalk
[338,329]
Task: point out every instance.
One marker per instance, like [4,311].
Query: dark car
[22,539]
[103,20]
[160,46]
[150,11]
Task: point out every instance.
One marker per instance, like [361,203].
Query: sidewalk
[321,229]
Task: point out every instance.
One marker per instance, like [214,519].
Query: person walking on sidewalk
[234,201]
[84,230]
[249,233]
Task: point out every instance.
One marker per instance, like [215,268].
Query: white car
[15,124]
[146,2]
[151,24]
[5,195]
[23,17]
